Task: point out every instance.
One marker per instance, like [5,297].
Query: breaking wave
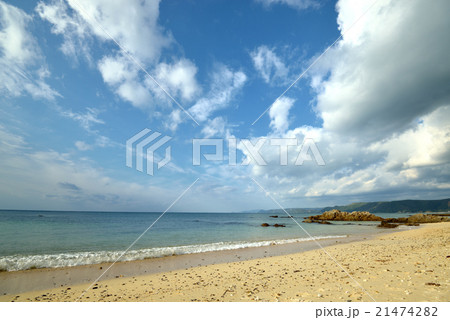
[23,262]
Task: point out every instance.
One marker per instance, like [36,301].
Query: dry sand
[405,266]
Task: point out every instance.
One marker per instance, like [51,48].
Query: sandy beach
[409,265]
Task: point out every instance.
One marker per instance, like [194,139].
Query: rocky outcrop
[316,221]
[337,215]
[402,220]
[385,224]
[427,218]
[276,225]
[419,218]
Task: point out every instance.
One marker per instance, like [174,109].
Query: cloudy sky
[78,78]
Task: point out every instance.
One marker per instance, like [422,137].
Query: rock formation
[337,215]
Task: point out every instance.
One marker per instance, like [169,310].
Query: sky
[363,85]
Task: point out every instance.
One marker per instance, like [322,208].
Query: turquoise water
[55,239]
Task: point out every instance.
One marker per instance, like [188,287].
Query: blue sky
[376,104]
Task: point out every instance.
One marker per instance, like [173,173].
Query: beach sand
[410,265]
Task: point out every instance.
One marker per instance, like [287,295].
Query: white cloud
[389,69]
[296,4]
[86,120]
[22,67]
[417,159]
[50,180]
[225,85]
[15,41]
[270,67]
[413,164]
[383,98]
[123,76]
[133,23]
[175,119]
[428,144]
[42,176]
[116,70]
[82,146]
[178,78]
[214,128]
[279,114]
[75,31]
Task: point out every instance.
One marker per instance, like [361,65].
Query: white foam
[21,262]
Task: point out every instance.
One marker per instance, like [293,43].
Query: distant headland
[400,206]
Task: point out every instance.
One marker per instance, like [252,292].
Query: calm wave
[36,239]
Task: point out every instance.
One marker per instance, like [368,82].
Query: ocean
[50,239]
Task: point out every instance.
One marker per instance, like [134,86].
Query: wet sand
[402,266]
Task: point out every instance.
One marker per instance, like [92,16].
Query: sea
[51,239]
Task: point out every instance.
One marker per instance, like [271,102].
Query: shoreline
[16,282]
[410,265]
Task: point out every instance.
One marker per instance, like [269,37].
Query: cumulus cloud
[178,78]
[225,85]
[279,114]
[133,24]
[383,99]
[269,66]
[123,76]
[22,67]
[427,144]
[416,160]
[388,70]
